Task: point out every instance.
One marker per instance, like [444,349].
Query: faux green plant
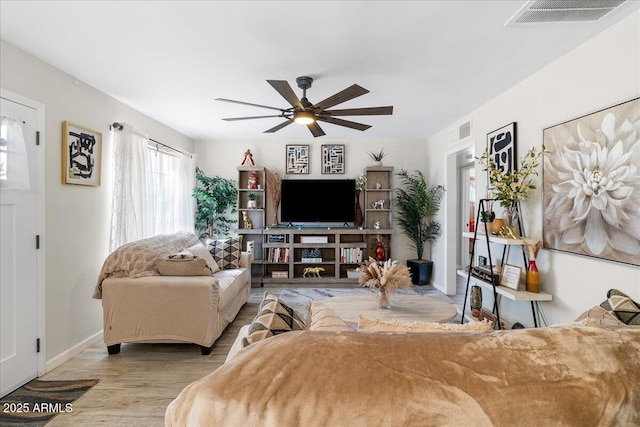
[216,199]
[487,216]
[416,203]
[377,157]
[252,196]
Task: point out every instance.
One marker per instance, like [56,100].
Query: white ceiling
[434,61]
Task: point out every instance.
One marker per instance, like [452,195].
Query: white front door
[18,266]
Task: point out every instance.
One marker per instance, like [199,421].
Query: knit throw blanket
[138,259]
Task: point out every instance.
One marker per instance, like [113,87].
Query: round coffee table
[403,307]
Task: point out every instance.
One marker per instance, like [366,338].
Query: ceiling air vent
[557,11]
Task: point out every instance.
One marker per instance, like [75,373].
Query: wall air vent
[460,132]
[558,11]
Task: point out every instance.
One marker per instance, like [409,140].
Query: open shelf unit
[498,291]
[278,250]
[255,214]
[285,247]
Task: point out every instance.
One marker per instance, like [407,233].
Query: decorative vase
[476,300]
[381,253]
[275,214]
[383,298]
[359,218]
[510,216]
[496,225]
[533,277]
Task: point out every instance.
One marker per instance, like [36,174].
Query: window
[152,189]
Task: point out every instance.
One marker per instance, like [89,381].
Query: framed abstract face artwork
[81,155]
[591,184]
[501,146]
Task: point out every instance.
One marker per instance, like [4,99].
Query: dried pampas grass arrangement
[390,276]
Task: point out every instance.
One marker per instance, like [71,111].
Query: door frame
[454,159]
[40,217]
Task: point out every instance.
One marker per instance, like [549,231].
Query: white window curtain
[152,191]
[129,204]
[14,164]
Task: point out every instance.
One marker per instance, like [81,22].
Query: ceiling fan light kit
[304,112]
[304,118]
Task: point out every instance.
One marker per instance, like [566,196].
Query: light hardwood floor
[137,385]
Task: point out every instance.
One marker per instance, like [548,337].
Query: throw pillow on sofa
[370,324]
[597,316]
[322,318]
[226,252]
[200,251]
[274,317]
[623,307]
[183,264]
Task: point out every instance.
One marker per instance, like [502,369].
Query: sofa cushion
[322,318]
[274,317]
[370,324]
[623,307]
[178,266]
[226,252]
[199,250]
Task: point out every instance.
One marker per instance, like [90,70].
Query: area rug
[36,402]
[299,298]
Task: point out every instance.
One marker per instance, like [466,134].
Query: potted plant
[215,199]
[251,200]
[416,203]
[377,157]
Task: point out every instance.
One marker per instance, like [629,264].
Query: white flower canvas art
[591,184]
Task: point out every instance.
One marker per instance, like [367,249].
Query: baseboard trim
[73,351]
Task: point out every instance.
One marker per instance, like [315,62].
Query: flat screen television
[318,200]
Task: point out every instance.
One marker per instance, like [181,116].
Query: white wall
[602,72]
[77,217]
[222,158]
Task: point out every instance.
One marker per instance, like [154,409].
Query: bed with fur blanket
[569,376]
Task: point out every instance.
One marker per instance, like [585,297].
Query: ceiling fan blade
[283,88]
[371,111]
[280,126]
[346,123]
[315,129]
[351,92]
[248,103]
[232,119]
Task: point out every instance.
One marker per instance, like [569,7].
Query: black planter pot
[421,270]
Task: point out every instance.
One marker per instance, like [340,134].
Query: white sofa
[168,309]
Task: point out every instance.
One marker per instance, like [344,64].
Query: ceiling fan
[304,112]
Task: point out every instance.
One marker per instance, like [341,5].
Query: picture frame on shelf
[81,155]
[333,159]
[510,277]
[585,159]
[297,159]
[501,146]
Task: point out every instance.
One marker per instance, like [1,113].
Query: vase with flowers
[511,187]
[385,278]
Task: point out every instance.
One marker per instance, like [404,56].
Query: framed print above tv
[297,159]
[81,155]
[591,184]
[332,159]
